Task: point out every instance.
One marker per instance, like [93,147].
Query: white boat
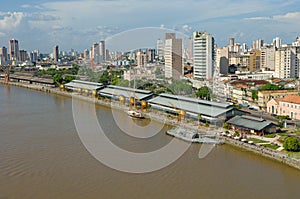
[135,114]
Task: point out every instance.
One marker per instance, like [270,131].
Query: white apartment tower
[287,62]
[204,55]
[173,57]
[160,49]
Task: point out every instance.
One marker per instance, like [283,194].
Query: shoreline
[259,150]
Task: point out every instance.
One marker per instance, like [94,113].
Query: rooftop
[84,85]
[250,122]
[191,105]
[291,99]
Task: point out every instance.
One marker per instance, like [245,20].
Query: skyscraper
[160,49]
[204,55]
[55,54]
[3,55]
[13,49]
[102,51]
[173,57]
[95,53]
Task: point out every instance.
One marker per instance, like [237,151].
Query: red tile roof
[292,99]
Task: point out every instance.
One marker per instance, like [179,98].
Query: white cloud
[11,20]
[25,6]
[2,34]
[284,17]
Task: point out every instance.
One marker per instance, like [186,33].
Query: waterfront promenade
[162,117]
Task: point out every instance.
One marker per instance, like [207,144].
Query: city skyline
[44,24]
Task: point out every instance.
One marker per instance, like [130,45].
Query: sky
[77,24]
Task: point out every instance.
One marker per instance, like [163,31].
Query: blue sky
[41,24]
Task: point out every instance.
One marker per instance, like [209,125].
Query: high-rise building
[102,51]
[55,54]
[3,55]
[86,54]
[254,62]
[141,59]
[95,53]
[204,55]
[160,49]
[173,57]
[13,49]
[23,56]
[222,59]
[170,36]
[231,45]
[150,55]
[268,57]
[34,55]
[287,62]
[189,50]
[277,42]
[256,45]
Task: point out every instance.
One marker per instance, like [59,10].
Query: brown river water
[42,156]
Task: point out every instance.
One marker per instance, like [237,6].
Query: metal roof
[250,122]
[111,91]
[194,100]
[189,105]
[84,85]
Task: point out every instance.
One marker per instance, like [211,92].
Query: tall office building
[34,55]
[204,55]
[55,54]
[277,42]
[102,51]
[160,49]
[13,49]
[23,56]
[3,55]
[256,45]
[95,53]
[173,56]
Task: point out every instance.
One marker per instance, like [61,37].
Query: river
[42,156]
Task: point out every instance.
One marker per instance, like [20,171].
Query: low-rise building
[288,106]
[265,96]
[252,125]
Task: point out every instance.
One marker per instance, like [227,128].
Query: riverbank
[163,118]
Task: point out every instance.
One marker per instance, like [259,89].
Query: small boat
[135,114]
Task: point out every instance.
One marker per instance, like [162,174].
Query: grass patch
[282,138]
[271,146]
[255,141]
[270,135]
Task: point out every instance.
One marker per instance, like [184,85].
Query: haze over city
[41,24]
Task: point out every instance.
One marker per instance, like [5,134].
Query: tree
[254,95]
[204,93]
[58,79]
[291,144]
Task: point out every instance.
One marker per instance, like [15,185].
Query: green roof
[250,122]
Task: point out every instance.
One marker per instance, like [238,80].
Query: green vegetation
[291,144]
[225,126]
[270,135]
[255,141]
[204,93]
[254,95]
[271,146]
[270,86]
